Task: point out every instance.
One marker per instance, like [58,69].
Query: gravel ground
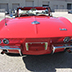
[60,62]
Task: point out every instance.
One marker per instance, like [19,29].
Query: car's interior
[33,12]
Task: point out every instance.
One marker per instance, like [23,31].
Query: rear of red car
[35,35]
[35,46]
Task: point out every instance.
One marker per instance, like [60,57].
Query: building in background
[11,5]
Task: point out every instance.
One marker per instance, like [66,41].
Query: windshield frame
[30,8]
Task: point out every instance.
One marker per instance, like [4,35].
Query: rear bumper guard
[59,47]
[9,48]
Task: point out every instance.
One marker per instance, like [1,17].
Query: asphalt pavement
[60,62]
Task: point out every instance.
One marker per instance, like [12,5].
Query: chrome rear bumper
[19,49]
[9,48]
[59,47]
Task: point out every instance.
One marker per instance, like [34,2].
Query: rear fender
[2,23]
[66,21]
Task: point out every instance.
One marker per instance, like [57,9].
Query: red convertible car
[34,31]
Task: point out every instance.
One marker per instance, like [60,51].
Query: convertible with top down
[34,31]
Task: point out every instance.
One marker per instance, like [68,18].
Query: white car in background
[70,11]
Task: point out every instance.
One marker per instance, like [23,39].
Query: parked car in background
[70,11]
[35,32]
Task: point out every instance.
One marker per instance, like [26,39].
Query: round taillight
[66,39]
[5,41]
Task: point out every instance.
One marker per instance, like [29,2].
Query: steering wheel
[22,15]
[31,14]
[42,15]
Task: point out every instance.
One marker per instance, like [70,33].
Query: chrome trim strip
[46,45]
[54,48]
[27,47]
[8,48]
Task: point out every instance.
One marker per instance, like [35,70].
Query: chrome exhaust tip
[4,51]
[69,51]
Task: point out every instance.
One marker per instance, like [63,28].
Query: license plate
[36,44]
